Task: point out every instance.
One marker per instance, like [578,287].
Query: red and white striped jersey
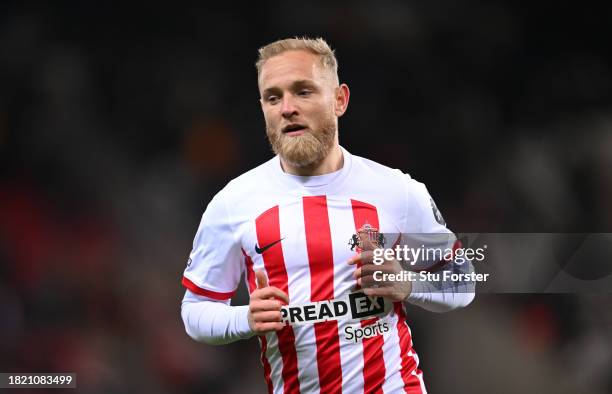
[297,229]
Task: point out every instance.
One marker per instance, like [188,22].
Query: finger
[369,281]
[267,317]
[354,259]
[262,279]
[271,292]
[378,291]
[369,269]
[364,257]
[262,328]
[265,305]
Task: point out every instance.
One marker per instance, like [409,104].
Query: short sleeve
[214,267]
[431,220]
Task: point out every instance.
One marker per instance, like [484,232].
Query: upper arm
[215,264]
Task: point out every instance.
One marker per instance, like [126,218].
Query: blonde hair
[317,46]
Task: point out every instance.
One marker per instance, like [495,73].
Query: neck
[330,163]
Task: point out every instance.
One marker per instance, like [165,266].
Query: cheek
[269,118]
[316,110]
[328,107]
[324,112]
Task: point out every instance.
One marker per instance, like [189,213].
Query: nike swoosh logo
[268,246]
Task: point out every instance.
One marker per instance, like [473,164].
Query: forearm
[214,322]
[442,296]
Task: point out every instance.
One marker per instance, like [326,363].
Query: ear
[342,99]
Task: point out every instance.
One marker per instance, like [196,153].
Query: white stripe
[342,227]
[351,356]
[276,363]
[392,356]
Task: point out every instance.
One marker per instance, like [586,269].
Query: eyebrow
[294,85]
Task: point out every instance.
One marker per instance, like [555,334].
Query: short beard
[306,149]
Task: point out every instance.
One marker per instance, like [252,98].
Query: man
[286,225]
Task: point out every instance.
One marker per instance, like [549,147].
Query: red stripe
[373,360]
[250,279]
[412,384]
[215,295]
[250,273]
[321,263]
[268,231]
[266,364]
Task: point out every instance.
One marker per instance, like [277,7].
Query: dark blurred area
[118,123]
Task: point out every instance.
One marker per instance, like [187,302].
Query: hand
[392,290]
[265,305]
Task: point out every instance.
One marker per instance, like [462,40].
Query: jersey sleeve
[438,296]
[214,267]
[431,220]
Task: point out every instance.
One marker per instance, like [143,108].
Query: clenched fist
[265,306]
[364,274]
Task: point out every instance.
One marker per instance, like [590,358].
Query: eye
[304,93]
[272,99]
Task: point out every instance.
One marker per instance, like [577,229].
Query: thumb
[262,279]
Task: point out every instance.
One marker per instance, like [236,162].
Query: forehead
[290,66]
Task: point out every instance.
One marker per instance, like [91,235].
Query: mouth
[294,129]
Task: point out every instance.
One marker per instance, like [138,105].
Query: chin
[302,151]
[301,160]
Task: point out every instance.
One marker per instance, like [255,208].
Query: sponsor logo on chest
[355,306]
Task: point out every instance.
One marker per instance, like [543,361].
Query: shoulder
[257,179]
[369,169]
[409,195]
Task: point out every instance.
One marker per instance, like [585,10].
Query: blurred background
[118,123]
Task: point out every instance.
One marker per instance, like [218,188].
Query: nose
[288,108]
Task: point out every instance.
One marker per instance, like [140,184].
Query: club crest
[367,233]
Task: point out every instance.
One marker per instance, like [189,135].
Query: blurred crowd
[118,123]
